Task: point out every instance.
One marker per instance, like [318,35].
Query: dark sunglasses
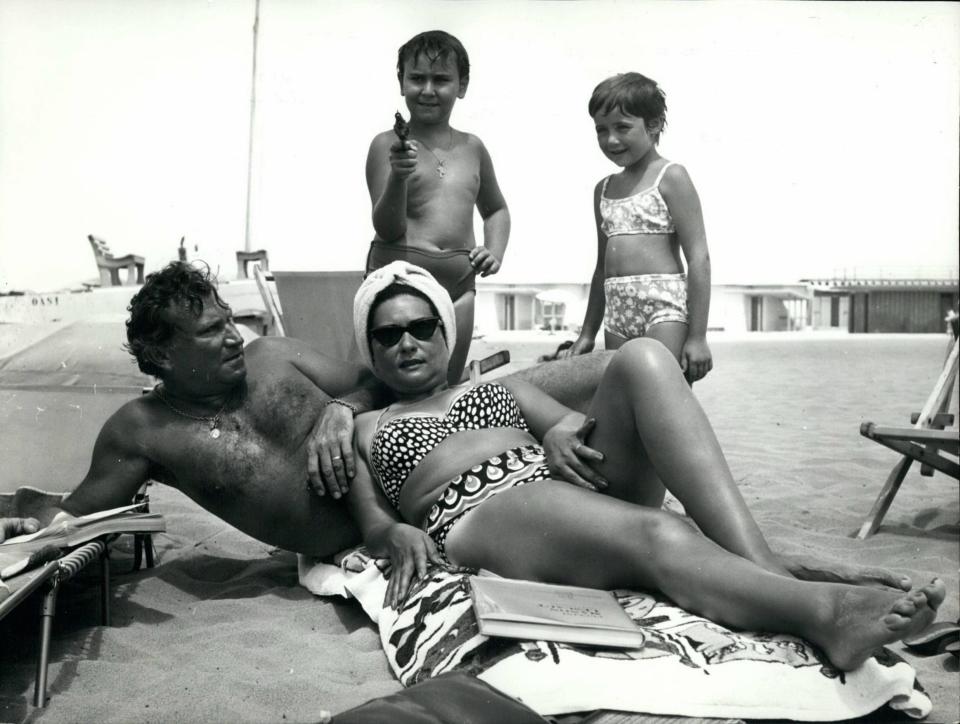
[391,334]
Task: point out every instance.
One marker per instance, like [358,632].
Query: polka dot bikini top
[402,442]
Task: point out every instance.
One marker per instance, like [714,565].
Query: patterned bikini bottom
[515,467]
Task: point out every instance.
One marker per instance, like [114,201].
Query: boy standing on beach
[425,179]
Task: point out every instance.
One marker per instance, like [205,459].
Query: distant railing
[928,271]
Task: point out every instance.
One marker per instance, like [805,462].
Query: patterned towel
[690,666]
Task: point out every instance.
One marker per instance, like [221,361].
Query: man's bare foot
[807,568]
[863,619]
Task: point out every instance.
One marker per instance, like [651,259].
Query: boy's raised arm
[390,163]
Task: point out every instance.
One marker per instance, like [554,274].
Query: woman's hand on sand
[695,359]
[330,461]
[10,527]
[403,158]
[484,261]
[410,551]
[581,346]
[568,455]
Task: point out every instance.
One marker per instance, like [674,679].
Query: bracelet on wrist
[343,403]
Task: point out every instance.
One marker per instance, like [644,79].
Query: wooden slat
[939,438]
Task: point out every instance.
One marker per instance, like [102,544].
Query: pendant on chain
[441,169]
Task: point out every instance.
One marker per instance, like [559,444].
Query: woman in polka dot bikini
[459,473]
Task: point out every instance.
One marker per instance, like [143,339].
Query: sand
[220,630]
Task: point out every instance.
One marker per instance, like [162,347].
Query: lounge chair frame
[49,577]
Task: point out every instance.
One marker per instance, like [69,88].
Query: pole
[253,108]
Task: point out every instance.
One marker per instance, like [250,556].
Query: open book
[66,531]
[547,612]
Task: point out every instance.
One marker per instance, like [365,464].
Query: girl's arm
[384,532]
[496,219]
[595,301]
[389,165]
[563,432]
[684,205]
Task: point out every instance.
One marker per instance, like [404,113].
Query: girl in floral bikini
[646,215]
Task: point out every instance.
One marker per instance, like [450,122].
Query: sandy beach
[221,631]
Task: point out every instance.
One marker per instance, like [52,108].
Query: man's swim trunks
[450,267]
[510,469]
[636,303]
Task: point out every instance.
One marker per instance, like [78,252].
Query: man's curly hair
[151,324]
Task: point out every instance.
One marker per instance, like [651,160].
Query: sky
[822,137]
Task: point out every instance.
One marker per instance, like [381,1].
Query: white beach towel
[690,666]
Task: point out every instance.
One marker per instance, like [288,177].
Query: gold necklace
[213,421]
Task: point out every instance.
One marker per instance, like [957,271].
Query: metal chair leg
[105,586]
[48,609]
[137,551]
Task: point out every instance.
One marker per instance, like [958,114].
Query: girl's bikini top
[643,213]
[402,442]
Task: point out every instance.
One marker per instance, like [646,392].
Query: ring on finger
[337,457]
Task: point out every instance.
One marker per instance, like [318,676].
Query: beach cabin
[759,307]
[883,305]
[527,306]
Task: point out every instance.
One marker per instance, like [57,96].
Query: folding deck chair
[926,442]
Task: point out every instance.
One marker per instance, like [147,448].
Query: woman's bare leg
[556,532]
[651,428]
[574,381]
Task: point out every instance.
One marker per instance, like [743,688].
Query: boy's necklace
[441,168]
[214,421]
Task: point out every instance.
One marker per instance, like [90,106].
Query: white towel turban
[413,276]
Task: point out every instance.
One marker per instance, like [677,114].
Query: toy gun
[401,128]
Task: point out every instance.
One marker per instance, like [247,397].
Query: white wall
[820,135]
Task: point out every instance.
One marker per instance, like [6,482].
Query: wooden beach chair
[110,265]
[931,436]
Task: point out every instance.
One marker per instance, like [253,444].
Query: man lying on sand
[249,433]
